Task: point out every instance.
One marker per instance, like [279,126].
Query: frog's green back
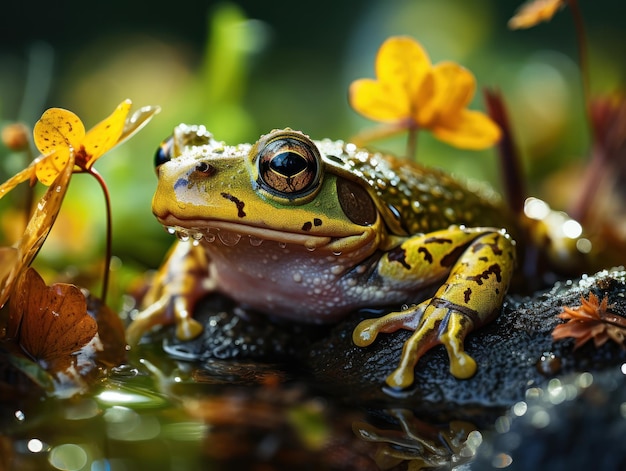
[413,198]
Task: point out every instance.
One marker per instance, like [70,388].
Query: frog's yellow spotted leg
[182,280]
[480,263]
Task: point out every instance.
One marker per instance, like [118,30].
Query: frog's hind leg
[471,296]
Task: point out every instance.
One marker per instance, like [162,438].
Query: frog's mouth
[230,234]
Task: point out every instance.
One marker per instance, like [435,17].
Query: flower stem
[411,143]
[109,239]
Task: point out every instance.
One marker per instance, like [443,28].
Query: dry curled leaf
[49,322]
[592,320]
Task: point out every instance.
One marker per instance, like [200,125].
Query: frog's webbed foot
[183,280]
[433,323]
[470,297]
[163,312]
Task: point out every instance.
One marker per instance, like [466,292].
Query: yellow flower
[410,93]
[59,133]
[534,12]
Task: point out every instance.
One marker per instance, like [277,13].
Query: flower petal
[378,100]
[453,89]
[401,68]
[471,130]
[57,133]
[50,166]
[27,174]
[402,61]
[56,129]
[105,135]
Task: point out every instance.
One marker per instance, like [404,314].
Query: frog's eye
[164,152]
[289,166]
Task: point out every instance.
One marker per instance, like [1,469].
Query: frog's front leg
[479,263]
[182,280]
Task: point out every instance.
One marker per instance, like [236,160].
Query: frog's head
[282,188]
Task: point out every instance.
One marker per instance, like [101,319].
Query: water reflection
[163,414]
[419,444]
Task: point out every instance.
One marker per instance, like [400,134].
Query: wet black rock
[514,353]
[231,333]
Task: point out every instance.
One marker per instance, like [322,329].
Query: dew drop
[255,241]
[209,237]
[171,230]
[336,253]
[229,239]
[182,236]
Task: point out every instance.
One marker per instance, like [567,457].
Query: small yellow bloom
[410,93]
[59,133]
[534,12]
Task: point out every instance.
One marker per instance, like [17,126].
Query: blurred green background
[245,67]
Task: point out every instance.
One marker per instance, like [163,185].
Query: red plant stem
[510,161]
[589,185]
[583,63]
[109,239]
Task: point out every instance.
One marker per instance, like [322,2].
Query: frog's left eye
[289,166]
[164,152]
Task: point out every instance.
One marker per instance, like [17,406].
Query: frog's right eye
[164,152]
[289,166]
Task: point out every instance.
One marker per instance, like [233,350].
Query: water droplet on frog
[171,230]
[337,253]
[230,239]
[58,189]
[197,236]
[182,236]
[310,248]
[209,237]
[282,245]
[195,242]
[254,241]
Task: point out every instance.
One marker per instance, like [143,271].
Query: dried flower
[591,320]
[534,12]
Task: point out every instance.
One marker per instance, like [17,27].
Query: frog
[313,230]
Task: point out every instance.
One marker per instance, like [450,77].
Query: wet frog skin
[313,230]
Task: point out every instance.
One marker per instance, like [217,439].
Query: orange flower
[60,132]
[410,93]
[534,12]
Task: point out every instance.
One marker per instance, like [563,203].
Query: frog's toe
[367,330]
[153,315]
[188,329]
[462,366]
[421,341]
